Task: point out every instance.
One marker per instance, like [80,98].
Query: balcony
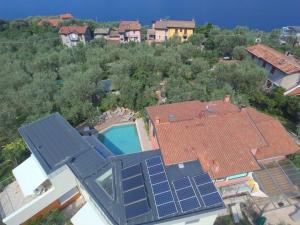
[12,198]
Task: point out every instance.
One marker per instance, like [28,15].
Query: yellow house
[165,29]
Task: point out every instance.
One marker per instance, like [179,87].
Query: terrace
[12,198]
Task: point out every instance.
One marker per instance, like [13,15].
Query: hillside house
[292,33]
[130,31]
[72,35]
[230,142]
[283,70]
[55,21]
[163,30]
[101,32]
[118,190]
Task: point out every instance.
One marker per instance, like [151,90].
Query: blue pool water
[121,139]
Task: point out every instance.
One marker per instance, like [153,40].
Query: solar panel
[156,169]
[206,188]
[166,209]
[131,171]
[186,195]
[202,179]
[182,183]
[136,209]
[164,200]
[134,195]
[154,161]
[212,199]
[157,178]
[133,183]
[189,204]
[161,187]
[134,191]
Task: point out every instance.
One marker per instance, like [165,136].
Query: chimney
[227,98]
[157,120]
[242,108]
[215,166]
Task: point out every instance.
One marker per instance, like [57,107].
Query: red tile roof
[287,64]
[53,22]
[218,134]
[129,25]
[66,16]
[73,29]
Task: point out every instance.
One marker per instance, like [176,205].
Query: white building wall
[201,219]
[279,78]
[62,181]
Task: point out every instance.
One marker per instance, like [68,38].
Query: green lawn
[295,159]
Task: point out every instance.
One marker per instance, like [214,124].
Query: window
[272,70]
[180,30]
[73,37]
[176,31]
[264,64]
[105,181]
[185,31]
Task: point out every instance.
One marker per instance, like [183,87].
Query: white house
[283,70]
[290,32]
[128,189]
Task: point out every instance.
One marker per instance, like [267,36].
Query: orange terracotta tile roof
[73,29]
[66,16]
[129,25]
[287,64]
[218,134]
[53,22]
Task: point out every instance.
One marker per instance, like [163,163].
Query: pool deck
[143,135]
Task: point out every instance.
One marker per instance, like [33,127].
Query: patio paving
[143,135]
[12,199]
[281,215]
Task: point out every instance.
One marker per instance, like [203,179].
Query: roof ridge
[256,128]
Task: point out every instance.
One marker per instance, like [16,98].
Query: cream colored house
[163,30]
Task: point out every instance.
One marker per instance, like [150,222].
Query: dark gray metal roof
[115,209]
[53,141]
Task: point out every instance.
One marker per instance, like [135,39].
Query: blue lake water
[121,139]
[261,14]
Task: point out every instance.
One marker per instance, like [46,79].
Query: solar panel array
[186,195]
[164,200]
[134,191]
[207,190]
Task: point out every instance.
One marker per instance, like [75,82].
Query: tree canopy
[39,75]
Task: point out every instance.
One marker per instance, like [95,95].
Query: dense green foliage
[54,217]
[39,76]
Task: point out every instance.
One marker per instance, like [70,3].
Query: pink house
[130,31]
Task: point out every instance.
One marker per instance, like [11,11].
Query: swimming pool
[121,139]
